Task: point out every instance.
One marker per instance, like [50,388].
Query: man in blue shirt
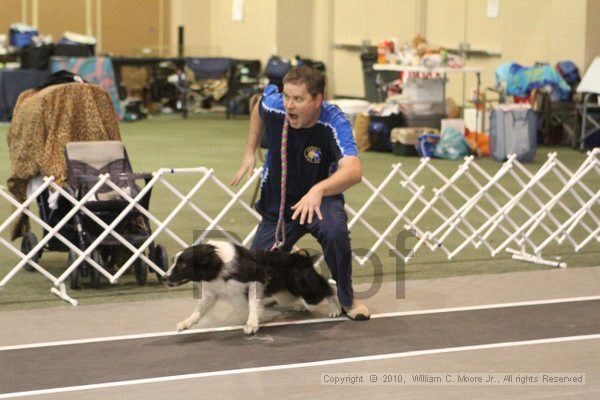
[322,162]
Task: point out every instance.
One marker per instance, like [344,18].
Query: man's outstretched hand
[246,167]
[308,206]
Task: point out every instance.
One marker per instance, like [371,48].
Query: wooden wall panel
[165,39]
[130,28]
[57,16]
[11,13]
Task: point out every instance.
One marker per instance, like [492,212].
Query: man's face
[301,107]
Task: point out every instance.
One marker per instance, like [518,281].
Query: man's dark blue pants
[332,234]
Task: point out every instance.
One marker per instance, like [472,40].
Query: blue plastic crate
[20,39]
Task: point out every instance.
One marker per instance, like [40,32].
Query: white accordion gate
[517,217]
[512,210]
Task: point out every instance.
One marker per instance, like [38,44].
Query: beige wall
[148,36]
[57,16]
[122,27]
[525,31]
[322,37]
[282,27]
[592,33]
[358,20]
[254,37]
[12,12]
[195,17]
[295,29]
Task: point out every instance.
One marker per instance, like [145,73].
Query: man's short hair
[314,80]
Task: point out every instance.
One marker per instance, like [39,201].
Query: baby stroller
[85,161]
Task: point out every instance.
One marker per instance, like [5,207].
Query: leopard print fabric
[44,121]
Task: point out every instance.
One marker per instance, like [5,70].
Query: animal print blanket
[44,121]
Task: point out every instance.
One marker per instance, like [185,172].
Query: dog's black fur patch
[278,271]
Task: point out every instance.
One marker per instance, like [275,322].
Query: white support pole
[23,206]
[376,191]
[392,225]
[166,221]
[539,215]
[108,230]
[27,259]
[464,209]
[588,239]
[45,226]
[499,215]
[246,241]
[375,233]
[413,188]
[224,211]
[190,203]
[521,256]
[547,209]
[151,217]
[59,225]
[226,189]
[85,253]
[574,219]
[536,199]
[438,193]
[576,195]
[61,292]
[488,215]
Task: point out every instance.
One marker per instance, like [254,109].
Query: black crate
[380,129]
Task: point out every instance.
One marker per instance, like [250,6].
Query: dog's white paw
[188,322]
[298,306]
[335,310]
[182,326]
[250,328]
[335,313]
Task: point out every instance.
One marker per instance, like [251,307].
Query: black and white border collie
[226,269]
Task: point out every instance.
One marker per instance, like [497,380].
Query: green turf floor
[212,141]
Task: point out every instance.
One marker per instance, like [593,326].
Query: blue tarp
[97,70]
[520,81]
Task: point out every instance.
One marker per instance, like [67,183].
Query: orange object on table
[479,142]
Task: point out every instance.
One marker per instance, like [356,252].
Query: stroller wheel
[161,259]
[141,271]
[28,242]
[108,258]
[74,277]
[94,273]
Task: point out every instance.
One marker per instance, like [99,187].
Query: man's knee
[334,231]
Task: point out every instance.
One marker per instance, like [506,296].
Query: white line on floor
[298,322]
[298,365]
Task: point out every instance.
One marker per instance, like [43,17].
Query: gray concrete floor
[67,323]
[305,383]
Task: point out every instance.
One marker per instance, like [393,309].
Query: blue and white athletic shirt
[312,153]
